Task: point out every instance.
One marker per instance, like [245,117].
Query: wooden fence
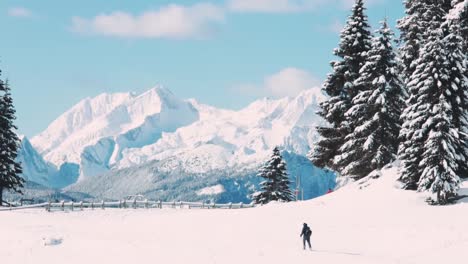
[128,204]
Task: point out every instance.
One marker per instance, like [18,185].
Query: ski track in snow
[374,224]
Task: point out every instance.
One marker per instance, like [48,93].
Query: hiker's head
[305,224]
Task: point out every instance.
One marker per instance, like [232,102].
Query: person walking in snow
[305,234]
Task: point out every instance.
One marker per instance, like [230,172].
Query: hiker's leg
[304,242]
[308,241]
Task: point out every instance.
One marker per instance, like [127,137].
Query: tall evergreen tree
[375,114]
[463,21]
[413,30]
[9,144]
[459,14]
[354,44]
[412,34]
[433,152]
[276,186]
[457,55]
[439,162]
[413,133]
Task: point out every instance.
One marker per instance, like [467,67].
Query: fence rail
[128,204]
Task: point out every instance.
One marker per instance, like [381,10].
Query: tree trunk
[1,195]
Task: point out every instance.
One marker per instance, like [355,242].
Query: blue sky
[223,53]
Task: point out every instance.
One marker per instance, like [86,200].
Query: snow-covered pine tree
[439,161]
[354,44]
[276,186]
[431,117]
[441,148]
[447,5]
[463,21]
[430,16]
[412,30]
[10,170]
[459,14]
[375,114]
[458,78]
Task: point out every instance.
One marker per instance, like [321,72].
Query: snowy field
[377,224]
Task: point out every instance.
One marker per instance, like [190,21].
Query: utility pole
[298,188]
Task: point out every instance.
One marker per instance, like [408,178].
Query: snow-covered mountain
[94,132]
[36,169]
[161,180]
[222,139]
[155,135]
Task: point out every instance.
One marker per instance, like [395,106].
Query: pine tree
[431,118]
[354,45]
[439,162]
[463,22]
[412,34]
[375,114]
[430,15]
[457,62]
[413,30]
[276,186]
[9,144]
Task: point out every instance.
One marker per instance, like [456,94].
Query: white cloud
[172,21]
[287,82]
[287,6]
[272,6]
[19,12]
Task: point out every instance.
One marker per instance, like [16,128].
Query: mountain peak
[157,89]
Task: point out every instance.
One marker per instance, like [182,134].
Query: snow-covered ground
[373,222]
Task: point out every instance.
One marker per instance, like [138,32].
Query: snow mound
[217,189]
[51,241]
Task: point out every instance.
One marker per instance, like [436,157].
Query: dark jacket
[306,232]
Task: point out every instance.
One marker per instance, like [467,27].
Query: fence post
[92,205]
[63,205]
[230,205]
[102,205]
[181,204]
[173,204]
[48,206]
[124,204]
[72,205]
[160,204]
[134,204]
[241,205]
[81,205]
[146,204]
